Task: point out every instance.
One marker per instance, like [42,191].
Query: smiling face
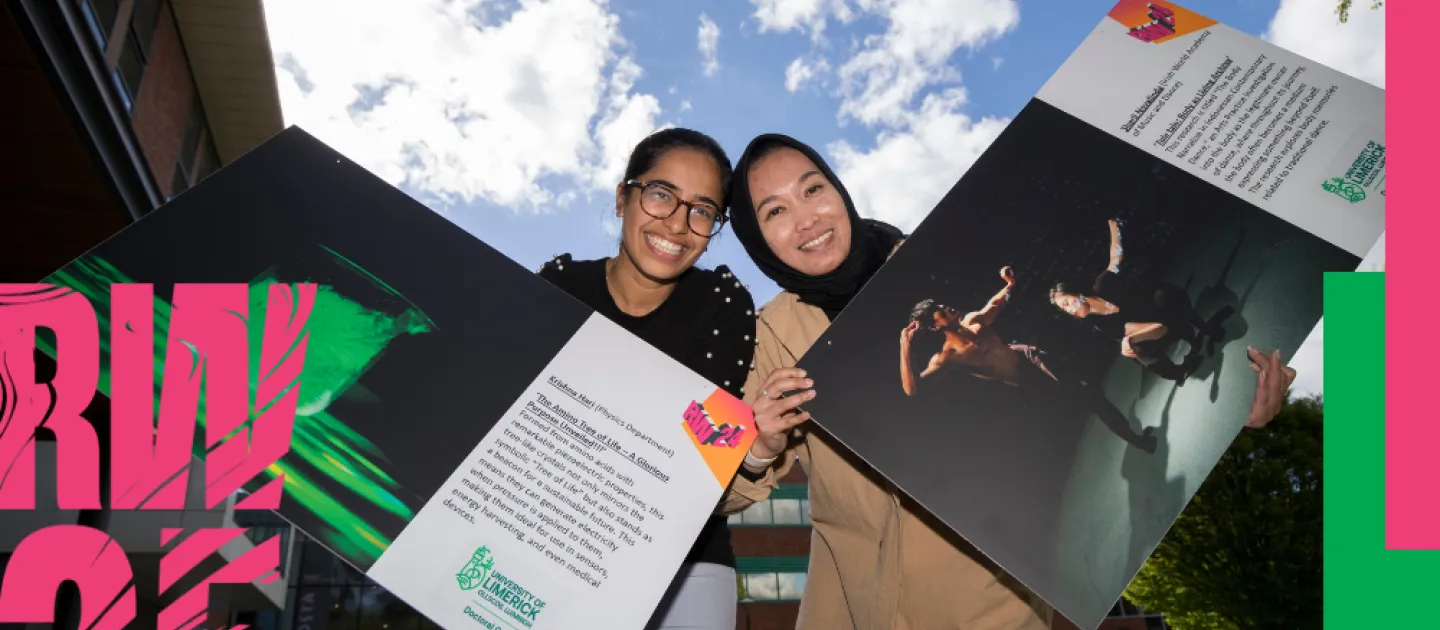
[1073,304]
[662,249]
[801,213]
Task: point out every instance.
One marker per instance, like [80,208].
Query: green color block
[1366,586]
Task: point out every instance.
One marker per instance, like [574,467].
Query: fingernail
[809,382]
[803,372]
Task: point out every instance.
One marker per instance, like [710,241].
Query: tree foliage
[1343,10]
[1246,553]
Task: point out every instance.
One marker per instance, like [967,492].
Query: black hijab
[870,242]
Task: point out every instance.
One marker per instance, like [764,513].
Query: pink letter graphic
[188,611]
[1150,32]
[80,554]
[1161,14]
[282,356]
[26,405]
[207,347]
[150,463]
[1162,24]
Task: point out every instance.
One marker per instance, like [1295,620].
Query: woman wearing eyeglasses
[671,203]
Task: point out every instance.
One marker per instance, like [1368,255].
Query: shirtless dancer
[971,343]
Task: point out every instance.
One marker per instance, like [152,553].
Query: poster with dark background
[1070,482]
[413,352]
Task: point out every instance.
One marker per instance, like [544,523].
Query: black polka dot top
[707,324]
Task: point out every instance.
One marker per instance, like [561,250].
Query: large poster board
[1188,175]
[473,439]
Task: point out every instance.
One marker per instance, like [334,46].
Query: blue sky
[513,118]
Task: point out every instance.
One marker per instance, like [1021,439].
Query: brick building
[113,107]
[772,545]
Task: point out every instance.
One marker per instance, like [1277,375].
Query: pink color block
[246,569]
[237,460]
[1412,436]
[266,498]
[23,309]
[150,465]
[168,534]
[191,551]
[58,553]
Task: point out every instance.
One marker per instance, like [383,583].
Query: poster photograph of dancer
[1064,343]
[1055,359]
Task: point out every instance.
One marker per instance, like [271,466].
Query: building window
[179,184]
[100,17]
[777,579]
[128,72]
[143,19]
[197,158]
[191,139]
[771,587]
[792,512]
[134,48]
[788,505]
[209,159]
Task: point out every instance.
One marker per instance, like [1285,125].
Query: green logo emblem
[1345,189]
[473,574]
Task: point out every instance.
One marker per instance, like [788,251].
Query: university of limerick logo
[473,574]
[1345,189]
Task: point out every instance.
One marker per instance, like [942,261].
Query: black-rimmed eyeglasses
[661,201]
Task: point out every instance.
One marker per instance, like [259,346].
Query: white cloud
[891,69]
[708,43]
[800,72]
[429,95]
[1310,28]
[685,106]
[781,16]
[627,119]
[887,72]
[997,62]
[907,173]
[920,149]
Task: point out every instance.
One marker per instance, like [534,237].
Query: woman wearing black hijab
[797,222]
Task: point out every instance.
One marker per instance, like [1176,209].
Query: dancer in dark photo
[1145,318]
[970,344]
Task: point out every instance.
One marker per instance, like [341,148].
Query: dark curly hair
[924,311]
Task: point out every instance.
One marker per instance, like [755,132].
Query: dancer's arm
[1116,250]
[987,315]
[908,381]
